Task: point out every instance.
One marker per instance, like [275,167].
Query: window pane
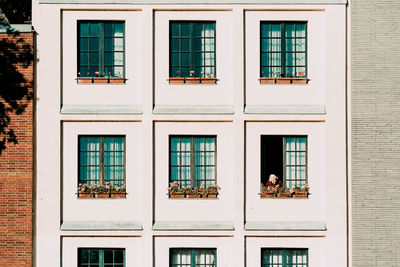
[174,143]
[119,30]
[185,45]
[200,158]
[108,30]
[94,59]
[185,30]
[301,30]
[185,144]
[84,58]
[276,30]
[209,29]
[185,158]
[210,173]
[265,45]
[300,45]
[265,30]
[175,158]
[276,45]
[174,29]
[83,29]
[94,256]
[94,29]
[175,59]
[108,256]
[290,30]
[175,173]
[84,44]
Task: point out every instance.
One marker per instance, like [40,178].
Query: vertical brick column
[375,132]
[16,172]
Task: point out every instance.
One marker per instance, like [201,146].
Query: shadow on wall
[16,55]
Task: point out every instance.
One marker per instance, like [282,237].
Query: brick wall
[375,132]
[16,177]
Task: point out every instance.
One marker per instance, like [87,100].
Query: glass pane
[291,158]
[83,173]
[300,59]
[174,158]
[209,45]
[95,158]
[184,72]
[109,144]
[276,45]
[290,144]
[209,29]
[185,144]
[276,30]
[301,144]
[108,256]
[109,158]
[199,44]
[301,158]
[119,143]
[200,159]
[174,44]
[94,59]
[175,59]
[199,29]
[174,143]
[290,45]
[265,59]
[83,59]
[200,257]
[83,44]
[199,142]
[185,29]
[175,257]
[210,159]
[119,158]
[118,71]
[94,29]
[290,59]
[300,45]
[265,45]
[94,256]
[174,173]
[185,174]
[119,256]
[108,173]
[301,30]
[210,172]
[174,29]
[84,158]
[185,158]
[84,255]
[108,30]
[290,30]
[119,30]
[185,58]
[185,256]
[109,59]
[83,29]
[185,45]
[118,58]
[119,172]
[265,30]
[301,72]
[200,173]
[119,44]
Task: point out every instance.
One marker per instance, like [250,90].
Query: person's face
[274,180]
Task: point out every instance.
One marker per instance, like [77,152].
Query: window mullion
[192,162]
[101,159]
[101,257]
[283,49]
[101,48]
[284,262]
[192,46]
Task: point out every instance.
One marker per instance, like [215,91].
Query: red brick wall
[16,179]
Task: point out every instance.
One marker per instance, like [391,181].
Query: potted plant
[195,192]
[301,192]
[212,191]
[175,190]
[84,191]
[268,192]
[101,191]
[283,192]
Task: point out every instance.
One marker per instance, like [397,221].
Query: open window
[284,165]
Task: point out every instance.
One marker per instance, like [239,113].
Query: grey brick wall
[375,132]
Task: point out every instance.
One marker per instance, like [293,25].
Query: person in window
[273,181]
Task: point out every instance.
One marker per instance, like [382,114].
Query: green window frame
[279,257]
[193,257]
[286,157]
[192,49]
[101,160]
[101,49]
[193,160]
[101,257]
[283,49]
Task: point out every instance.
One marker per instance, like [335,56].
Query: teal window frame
[101,257]
[283,49]
[283,257]
[100,159]
[101,48]
[194,165]
[192,49]
[193,254]
[285,156]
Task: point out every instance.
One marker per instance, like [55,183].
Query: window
[186,257]
[283,49]
[102,160]
[275,257]
[193,160]
[284,156]
[101,257]
[101,50]
[192,49]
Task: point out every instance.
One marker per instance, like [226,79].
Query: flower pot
[102,195]
[300,81]
[192,80]
[267,195]
[211,196]
[267,80]
[118,195]
[177,80]
[300,195]
[283,81]
[85,195]
[117,80]
[194,196]
[177,195]
[84,80]
[284,195]
[208,80]
[100,80]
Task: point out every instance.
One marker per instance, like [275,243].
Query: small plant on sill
[101,191]
[283,192]
[301,192]
[176,191]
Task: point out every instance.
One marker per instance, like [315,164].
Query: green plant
[301,190]
[94,188]
[268,190]
[283,190]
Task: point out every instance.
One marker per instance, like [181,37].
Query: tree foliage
[17,11]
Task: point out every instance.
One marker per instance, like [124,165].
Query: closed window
[101,49]
[192,49]
[101,257]
[277,257]
[286,157]
[193,160]
[193,257]
[102,160]
[283,49]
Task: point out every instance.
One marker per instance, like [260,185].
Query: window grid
[193,160]
[192,49]
[193,257]
[276,257]
[295,161]
[283,49]
[101,257]
[102,160]
[101,49]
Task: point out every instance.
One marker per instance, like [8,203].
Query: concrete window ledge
[100,225]
[195,109]
[285,109]
[101,109]
[286,226]
[192,225]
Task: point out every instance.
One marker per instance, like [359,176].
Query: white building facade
[138,95]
